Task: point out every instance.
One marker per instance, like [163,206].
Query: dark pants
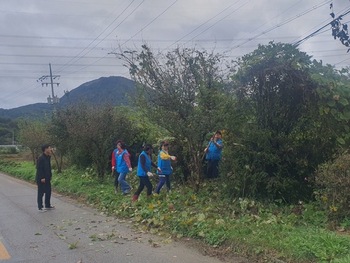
[144,181]
[163,179]
[44,188]
[213,169]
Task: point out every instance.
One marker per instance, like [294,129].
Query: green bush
[333,181]
[268,167]
[9,150]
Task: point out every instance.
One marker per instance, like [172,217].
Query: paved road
[75,233]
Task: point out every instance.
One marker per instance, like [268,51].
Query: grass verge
[262,232]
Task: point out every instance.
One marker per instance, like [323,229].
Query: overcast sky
[76,36]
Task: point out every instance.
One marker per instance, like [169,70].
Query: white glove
[173,158]
[130,169]
[149,174]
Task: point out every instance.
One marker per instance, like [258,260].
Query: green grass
[259,231]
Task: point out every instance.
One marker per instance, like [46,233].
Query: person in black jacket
[43,178]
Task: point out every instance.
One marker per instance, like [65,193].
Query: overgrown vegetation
[333,179]
[7,131]
[184,94]
[284,175]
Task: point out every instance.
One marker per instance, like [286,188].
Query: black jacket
[43,168]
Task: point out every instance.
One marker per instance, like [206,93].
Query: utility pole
[48,79]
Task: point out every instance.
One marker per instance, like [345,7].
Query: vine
[340,30]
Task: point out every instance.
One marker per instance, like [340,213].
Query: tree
[60,137]
[33,134]
[283,134]
[8,129]
[87,133]
[334,101]
[183,91]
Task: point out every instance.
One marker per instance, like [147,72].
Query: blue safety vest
[122,167]
[214,152]
[164,165]
[140,171]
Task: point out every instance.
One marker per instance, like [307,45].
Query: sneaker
[42,210]
[50,207]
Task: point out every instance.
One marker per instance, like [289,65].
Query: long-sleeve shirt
[164,155]
[143,163]
[113,160]
[126,158]
[43,168]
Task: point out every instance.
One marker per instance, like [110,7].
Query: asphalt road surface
[74,233]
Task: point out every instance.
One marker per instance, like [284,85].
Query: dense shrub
[333,181]
[9,150]
[278,122]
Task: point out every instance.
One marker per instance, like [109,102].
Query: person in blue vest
[213,155]
[115,174]
[144,171]
[123,166]
[164,163]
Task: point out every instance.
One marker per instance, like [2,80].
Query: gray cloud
[76,36]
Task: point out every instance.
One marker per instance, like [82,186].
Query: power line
[318,30]
[152,21]
[111,33]
[218,21]
[202,24]
[143,28]
[44,56]
[90,39]
[96,38]
[316,27]
[281,24]
[42,64]
[341,61]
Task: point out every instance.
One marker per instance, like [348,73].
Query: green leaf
[343,101]
[201,217]
[331,103]
[341,141]
[346,115]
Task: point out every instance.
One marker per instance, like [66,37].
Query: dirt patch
[224,252]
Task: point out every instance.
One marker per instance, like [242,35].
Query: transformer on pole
[49,80]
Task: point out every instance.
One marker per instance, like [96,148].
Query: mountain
[106,90]
[32,111]
[112,90]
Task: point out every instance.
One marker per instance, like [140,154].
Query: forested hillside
[106,90]
[112,90]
